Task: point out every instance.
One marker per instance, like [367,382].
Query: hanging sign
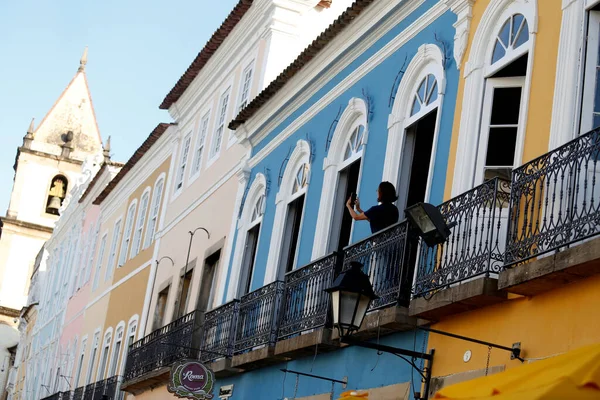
[190,379]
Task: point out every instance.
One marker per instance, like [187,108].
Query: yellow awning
[573,375]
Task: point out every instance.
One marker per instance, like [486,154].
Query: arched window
[341,178]
[127,233]
[154,211]
[104,355]
[513,34]
[248,234]
[289,210]
[112,370]
[414,128]
[56,194]
[139,226]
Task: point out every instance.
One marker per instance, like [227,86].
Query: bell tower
[47,165]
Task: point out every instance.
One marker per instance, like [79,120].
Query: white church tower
[46,167]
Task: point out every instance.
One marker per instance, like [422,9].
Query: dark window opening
[516,68]
[248,260]
[342,221]
[205,296]
[161,306]
[416,161]
[185,286]
[291,235]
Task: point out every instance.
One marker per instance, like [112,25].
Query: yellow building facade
[522,93]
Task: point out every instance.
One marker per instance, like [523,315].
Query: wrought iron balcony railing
[258,317]
[555,199]
[384,258]
[59,396]
[98,390]
[110,387]
[78,393]
[89,391]
[305,304]
[476,244]
[163,347]
[219,331]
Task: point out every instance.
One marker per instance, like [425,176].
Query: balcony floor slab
[384,321]
[466,296]
[553,271]
[258,358]
[149,381]
[223,368]
[304,345]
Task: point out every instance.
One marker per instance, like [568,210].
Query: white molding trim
[243,176]
[300,156]
[354,114]
[428,60]
[264,122]
[567,86]
[497,12]
[257,189]
[464,13]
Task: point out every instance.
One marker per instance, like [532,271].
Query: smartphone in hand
[352,198]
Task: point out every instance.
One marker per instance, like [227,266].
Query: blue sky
[137,51]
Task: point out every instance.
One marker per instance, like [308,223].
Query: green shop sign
[191,380]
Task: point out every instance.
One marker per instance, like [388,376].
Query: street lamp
[187,261]
[428,220]
[351,295]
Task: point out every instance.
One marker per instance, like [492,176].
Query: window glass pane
[506,105]
[415,107]
[517,25]
[505,33]
[421,90]
[499,52]
[596,121]
[433,93]
[501,147]
[523,36]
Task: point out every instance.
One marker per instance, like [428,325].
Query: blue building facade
[374,104]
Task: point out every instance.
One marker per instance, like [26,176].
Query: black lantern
[429,221]
[351,295]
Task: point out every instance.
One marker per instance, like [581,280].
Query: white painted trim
[590,77]
[111,265]
[163,194]
[495,15]
[259,125]
[177,190]
[195,174]
[464,13]
[300,156]
[257,189]
[140,219]
[243,177]
[120,325]
[123,252]
[354,114]
[106,337]
[427,60]
[214,154]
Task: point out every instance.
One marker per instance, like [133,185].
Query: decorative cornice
[24,224]
[464,13]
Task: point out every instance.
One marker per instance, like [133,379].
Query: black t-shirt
[381,216]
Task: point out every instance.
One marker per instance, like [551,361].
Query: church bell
[54,204]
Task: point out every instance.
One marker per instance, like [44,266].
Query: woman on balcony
[380,216]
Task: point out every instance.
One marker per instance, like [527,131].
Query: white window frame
[136,245]
[476,70]
[91,361]
[112,255]
[127,232]
[200,146]
[92,253]
[132,330]
[154,212]
[244,99]
[355,114]
[245,223]
[591,64]
[428,61]
[183,160]
[81,359]
[106,344]
[115,353]
[99,261]
[220,125]
[299,157]
[486,115]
